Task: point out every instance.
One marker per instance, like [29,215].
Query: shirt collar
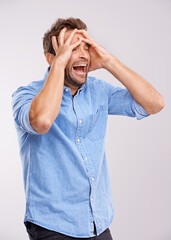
[47,72]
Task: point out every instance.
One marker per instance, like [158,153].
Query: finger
[74,45]
[69,39]
[85,34]
[61,36]
[90,42]
[54,44]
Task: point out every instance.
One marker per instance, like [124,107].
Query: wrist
[58,62]
[109,62]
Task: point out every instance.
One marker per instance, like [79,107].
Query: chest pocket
[97,124]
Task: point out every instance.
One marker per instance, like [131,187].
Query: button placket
[79,128]
[79,143]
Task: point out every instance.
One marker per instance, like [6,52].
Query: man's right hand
[63,48]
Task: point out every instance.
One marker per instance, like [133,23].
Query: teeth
[84,65]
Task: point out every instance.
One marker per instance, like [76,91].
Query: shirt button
[85,158]
[66,89]
[80,121]
[78,140]
[92,179]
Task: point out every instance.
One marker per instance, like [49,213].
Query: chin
[75,80]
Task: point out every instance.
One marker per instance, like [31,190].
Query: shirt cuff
[139,111]
[24,119]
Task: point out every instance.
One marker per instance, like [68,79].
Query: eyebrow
[86,45]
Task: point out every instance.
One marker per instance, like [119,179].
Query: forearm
[46,105]
[142,91]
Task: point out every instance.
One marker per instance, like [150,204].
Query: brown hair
[55,29]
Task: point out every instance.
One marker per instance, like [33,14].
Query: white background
[137,32]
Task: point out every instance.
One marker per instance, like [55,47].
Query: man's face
[77,67]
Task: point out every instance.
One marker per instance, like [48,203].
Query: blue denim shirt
[65,170]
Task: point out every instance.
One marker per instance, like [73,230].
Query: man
[61,125]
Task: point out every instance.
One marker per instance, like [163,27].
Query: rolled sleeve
[121,102]
[139,110]
[21,102]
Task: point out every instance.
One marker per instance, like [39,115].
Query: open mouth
[80,69]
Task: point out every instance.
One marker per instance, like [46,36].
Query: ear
[49,58]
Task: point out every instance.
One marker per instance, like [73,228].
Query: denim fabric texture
[65,171]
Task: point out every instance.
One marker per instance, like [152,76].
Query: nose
[83,53]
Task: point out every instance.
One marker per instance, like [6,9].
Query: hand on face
[64,48]
[98,55]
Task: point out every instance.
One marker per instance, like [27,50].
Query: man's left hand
[99,57]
